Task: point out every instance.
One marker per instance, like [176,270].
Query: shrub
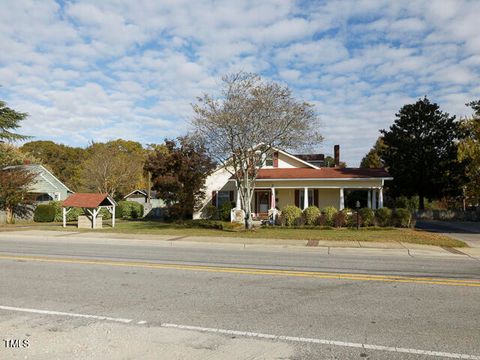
[340,219]
[352,219]
[329,213]
[210,212]
[225,211]
[129,210]
[402,217]
[404,202]
[311,215]
[72,214]
[368,216]
[290,214]
[383,216]
[322,220]
[44,213]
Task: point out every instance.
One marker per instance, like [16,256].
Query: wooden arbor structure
[91,205]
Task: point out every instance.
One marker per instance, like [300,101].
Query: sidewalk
[331,247]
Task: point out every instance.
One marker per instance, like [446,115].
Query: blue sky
[100,70]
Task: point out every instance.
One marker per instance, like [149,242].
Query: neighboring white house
[300,180]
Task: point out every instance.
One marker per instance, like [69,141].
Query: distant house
[47,187]
[152,206]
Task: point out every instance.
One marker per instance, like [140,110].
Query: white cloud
[90,69]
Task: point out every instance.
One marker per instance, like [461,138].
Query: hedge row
[330,216]
[53,212]
[129,210]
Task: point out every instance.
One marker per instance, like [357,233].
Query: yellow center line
[253,271]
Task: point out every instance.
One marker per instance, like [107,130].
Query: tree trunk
[247,208]
[421,204]
[9,214]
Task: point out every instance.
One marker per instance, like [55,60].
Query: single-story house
[152,206]
[47,187]
[300,180]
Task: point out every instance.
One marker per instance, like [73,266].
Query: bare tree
[251,117]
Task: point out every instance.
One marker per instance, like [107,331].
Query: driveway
[468,231]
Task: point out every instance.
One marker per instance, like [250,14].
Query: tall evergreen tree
[421,152]
[10,120]
[373,158]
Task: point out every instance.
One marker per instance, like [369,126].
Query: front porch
[266,200]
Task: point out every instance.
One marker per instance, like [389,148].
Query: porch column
[113,216]
[305,198]
[380,198]
[341,205]
[369,199]
[272,200]
[94,219]
[374,198]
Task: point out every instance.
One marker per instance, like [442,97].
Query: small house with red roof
[300,180]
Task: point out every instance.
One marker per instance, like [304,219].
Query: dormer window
[269,160]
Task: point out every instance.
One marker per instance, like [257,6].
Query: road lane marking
[256,335]
[322,341]
[255,271]
[49,312]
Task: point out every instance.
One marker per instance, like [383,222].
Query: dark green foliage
[368,216]
[421,152]
[402,217]
[129,210]
[311,215]
[210,212]
[290,214]
[10,120]
[411,203]
[44,213]
[72,215]
[373,158]
[383,217]
[225,211]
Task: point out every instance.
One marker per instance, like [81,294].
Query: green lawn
[364,234]
[344,234]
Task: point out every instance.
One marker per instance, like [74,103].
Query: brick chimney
[336,155]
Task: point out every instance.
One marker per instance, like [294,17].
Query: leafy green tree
[10,120]
[373,158]
[62,160]
[421,152]
[179,174]
[469,151]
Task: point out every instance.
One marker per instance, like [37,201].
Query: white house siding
[218,181]
[288,162]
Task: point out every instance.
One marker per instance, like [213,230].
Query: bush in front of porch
[327,217]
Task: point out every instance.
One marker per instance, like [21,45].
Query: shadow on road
[457,227]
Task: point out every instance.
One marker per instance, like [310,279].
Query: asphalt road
[467,231]
[198,302]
